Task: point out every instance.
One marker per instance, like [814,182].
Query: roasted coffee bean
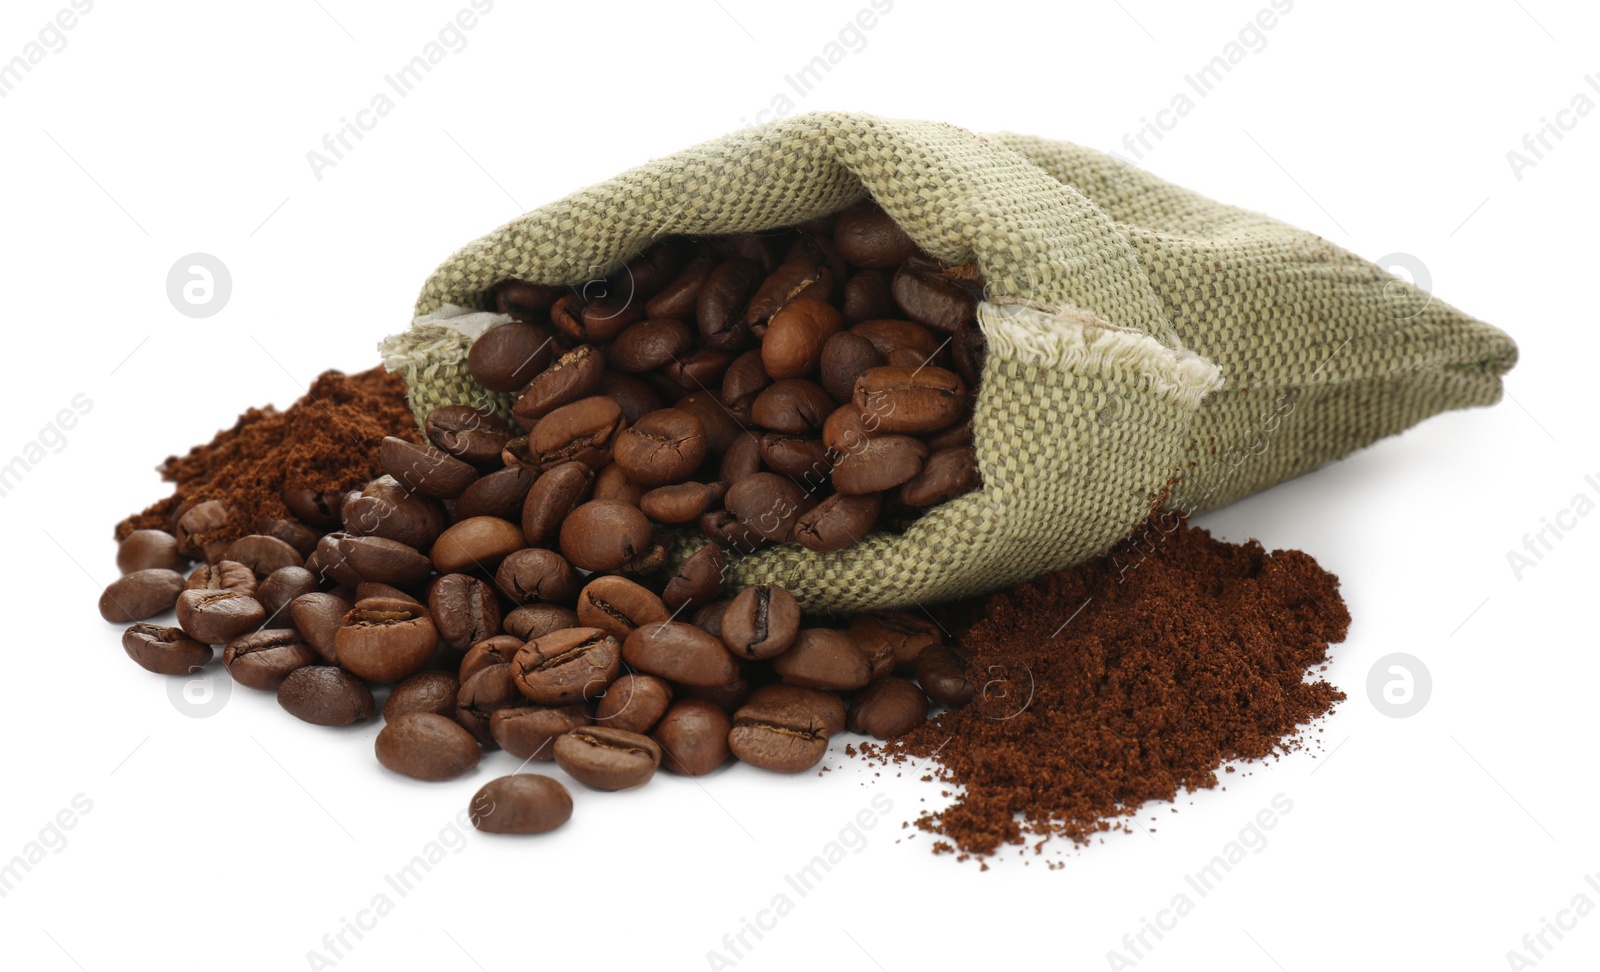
[617,606]
[218,617]
[263,554]
[572,665]
[969,351]
[313,508]
[533,620]
[699,370]
[486,692]
[890,337]
[905,634]
[635,702]
[680,502]
[932,294]
[846,357]
[164,650]
[385,639]
[607,759]
[383,561]
[912,400]
[612,483]
[585,431]
[725,697]
[317,617]
[597,315]
[716,421]
[389,510]
[725,530]
[823,658]
[473,436]
[507,356]
[797,457]
[765,250]
[427,691]
[427,746]
[848,428]
[522,804]
[325,695]
[867,297]
[195,526]
[430,471]
[869,237]
[297,535]
[693,736]
[524,301]
[653,269]
[698,579]
[955,436]
[680,652]
[498,650]
[767,504]
[464,610]
[499,493]
[529,732]
[794,405]
[517,455]
[327,563]
[708,617]
[783,735]
[603,535]
[720,306]
[282,586]
[761,622]
[677,300]
[888,708]
[879,463]
[476,544]
[653,559]
[367,589]
[149,550]
[574,376]
[648,345]
[838,521]
[742,459]
[792,346]
[635,396]
[663,447]
[224,575]
[945,475]
[536,574]
[943,675]
[802,276]
[744,379]
[826,707]
[263,659]
[880,658]
[140,594]
[555,494]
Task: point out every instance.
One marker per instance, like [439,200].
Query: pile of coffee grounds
[326,441]
[1123,681]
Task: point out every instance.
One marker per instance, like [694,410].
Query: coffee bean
[382,561]
[555,494]
[486,692]
[725,697]
[141,594]
[317,617]
[385,639]
[794,405]
[648,345]
[869,237]
[635,702]
[585,431]
[879,655]
[933,294]
[426,746]
[708,617]
[693,736]
[163,650]
[224,575]
[282,586]
[426,691]
[846,357]
[149,550]
[325,695]
[529,732]
[195,526]
[499,493]
[297,535]
[912,400]
[598,315]
[533,620]
[470,435]
[507,356]
[263,554]
[677,300]
[888,708]
[761,622]
[699,370]
[838,521]
[524,301]
[607,759]
[880,463]
[720,306]
[522,804]
[536,574]
[848,428]
[218,617]
[891,337]
[516,454]
[792,346]
[715,420]
[263,659]
[429,471]
[698,578]
[945,475]
[572,665]
[680,502]
[823,658]
[479,543]
[611,483]
[867,298]
[954,437]
[464,610]
[367,589]
[802,276]
[742,459]
[744,380]
[327,563]
[766,504]
[725,530]
[498,650]
[314,508]
[573,376]
[389,510]
[603,535]
[943,675]
[663,447]
[905,634]
[680,652]
[780,735]
[827,708]
[617,606]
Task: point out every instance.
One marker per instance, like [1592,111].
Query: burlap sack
[1146,344]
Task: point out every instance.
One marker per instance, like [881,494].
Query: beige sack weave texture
[1146,344]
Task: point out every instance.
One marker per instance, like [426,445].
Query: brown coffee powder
[1123,681]
[326,441]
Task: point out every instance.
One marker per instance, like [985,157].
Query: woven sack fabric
[1146,345]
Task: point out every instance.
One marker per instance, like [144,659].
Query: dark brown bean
[761,622]
[678,299]
[429,471]
[891,336]
[603,535]
[282,586]
[596,316]
[522,804]
[149,550]
[721,303]
[663,447]
[698,579]
[794,405]
[742,458]
[498,650]
[681,653]
[804,459]
[499,493]
[164,650]
[479,543]
[326,695]
[532,620]
[297,535]
[879,463]
[385,639]
[648,345]
[716,421]
[617,606]
[318,616]
[584,431]
[572,665]
[427,746]
[767,504]
[783,735]
[792,346]
[912,400]
[195,527]
[838,521]
[905,634]
[573,376]
[846,357]
[825,707]
[802,276]
[933,294]
[383,561]
[634,702]
[536,574]
[869,237]
[607,759]
[945,475]
[263,659]
[888,708]
[218,617]
[693,736]
[699,370]
[530,731]
[427,691]
[141,594]
[823,658]
[634,395]
[224,575]
[473,436]
[524,301]
[506,357]
[313,508]
[867,297]
[464,610]
[943,675]
[680,502]
[389,510]
[487,691]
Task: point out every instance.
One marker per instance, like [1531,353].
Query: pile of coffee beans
[508,589]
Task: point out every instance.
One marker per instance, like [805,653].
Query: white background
[240,840]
